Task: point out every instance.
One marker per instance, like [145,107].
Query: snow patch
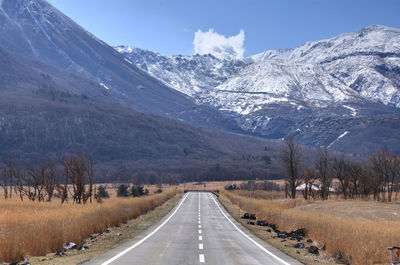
[128,61]
[353,110]
[337,139]
[103,85]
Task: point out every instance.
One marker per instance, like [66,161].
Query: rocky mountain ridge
[354,76]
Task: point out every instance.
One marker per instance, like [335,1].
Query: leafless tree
[7,183]
[19,177]
[78,170]
[309,178]
[323,168]
[386,167]
[291,158]
[49,180]
[339,172]
[35,182]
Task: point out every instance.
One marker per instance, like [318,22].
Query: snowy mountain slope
[273,81]
[192,75]
[320,91]
[368,61]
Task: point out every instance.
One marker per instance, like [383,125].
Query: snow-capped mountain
[274,81]
[323,91]
[192,75]
[368,62]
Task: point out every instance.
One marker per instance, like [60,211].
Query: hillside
[44,114]
[35,28]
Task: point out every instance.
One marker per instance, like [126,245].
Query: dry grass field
[34,229]
[360,231]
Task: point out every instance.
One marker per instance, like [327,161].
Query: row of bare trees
[69,177]
[377,176]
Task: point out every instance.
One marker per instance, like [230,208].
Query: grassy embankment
[34,229]
[359,240]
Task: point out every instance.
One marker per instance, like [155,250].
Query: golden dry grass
[361,241]
[32,228]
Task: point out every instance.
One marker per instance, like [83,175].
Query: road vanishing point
[197,231]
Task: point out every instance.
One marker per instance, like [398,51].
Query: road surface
[197,231]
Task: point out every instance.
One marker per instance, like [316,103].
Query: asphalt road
[197,231]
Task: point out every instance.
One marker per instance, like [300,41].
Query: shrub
[122,190]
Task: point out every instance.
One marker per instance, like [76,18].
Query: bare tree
[386,167]
[323,167]
[18,175]
[35,182]
[7,183]
[49,180]
[291,158]
[339,172]
[309,178]
[78,170]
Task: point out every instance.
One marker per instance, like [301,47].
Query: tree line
[377,176]
[72,177]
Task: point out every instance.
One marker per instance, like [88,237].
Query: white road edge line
[200,238]
[200,246]
[201,258]
[249,238]
[146,237]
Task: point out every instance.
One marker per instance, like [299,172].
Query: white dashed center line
[201,256]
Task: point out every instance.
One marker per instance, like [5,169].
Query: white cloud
[219,45]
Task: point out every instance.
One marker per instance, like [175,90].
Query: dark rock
[299,245]
[269,230]
[250,223]
[82,247]
[283,240]
[283,235]
[313,250]
[249,216]
[298,232]
[262,223]
[323,248]
[107,230]
[309,241]
[273,226]
[61,254]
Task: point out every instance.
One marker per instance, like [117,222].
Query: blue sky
[169,26]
